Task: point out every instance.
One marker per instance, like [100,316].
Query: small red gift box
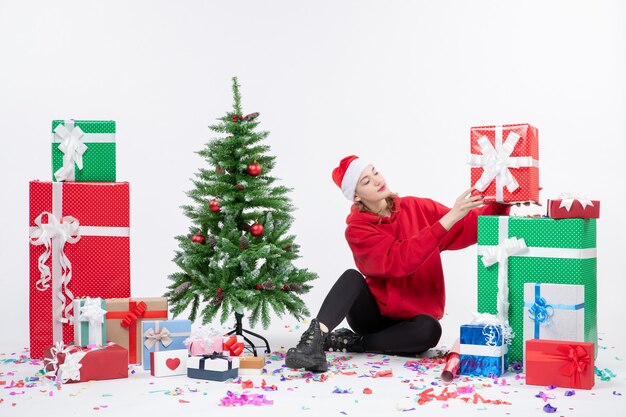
[79,235]
[76,364]
[573,207]
[560,363]
[505,162]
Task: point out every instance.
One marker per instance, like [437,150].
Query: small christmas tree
[238,255]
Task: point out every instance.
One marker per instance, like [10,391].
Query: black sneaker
[343,340]
[309,353]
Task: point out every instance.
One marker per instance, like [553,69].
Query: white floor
[335,393]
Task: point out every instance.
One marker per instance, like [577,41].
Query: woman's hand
[463,204]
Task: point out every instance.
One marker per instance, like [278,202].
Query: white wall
[398,81]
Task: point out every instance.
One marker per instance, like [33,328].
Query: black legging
[352,299]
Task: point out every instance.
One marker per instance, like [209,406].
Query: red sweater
[399,255]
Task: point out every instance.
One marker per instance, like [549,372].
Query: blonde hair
[390,205]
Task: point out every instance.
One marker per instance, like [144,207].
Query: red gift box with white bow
[571,206]
[79,247]
[561,363]
[78,364]
[505,162]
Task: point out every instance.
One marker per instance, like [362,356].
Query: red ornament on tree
[198,238]
[214,206]
[235,118]
[256,229]
[239,187]
[254,169]
[258,287]
[285,287]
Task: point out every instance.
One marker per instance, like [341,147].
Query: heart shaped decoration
[172,363]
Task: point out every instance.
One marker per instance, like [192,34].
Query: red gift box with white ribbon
[564,364]
[79,247]
[572,206]
[505,162]
[79,364]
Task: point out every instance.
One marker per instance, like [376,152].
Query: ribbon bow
[541,311]
[494,327]
[235,348]
[153,338]
[216,355]
[578,360]
[567,199]
[66,230]
[133,315]
[73,149]
[500,254]
[70,368]
[92,311]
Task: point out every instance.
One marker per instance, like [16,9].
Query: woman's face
[371,187]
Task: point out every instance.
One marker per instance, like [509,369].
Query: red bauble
[285,287]
[258,287]
[214,206]
[256,229]
[235,118]
[254,169]
[239,187]
[219,290]
[198,238]
[240,117]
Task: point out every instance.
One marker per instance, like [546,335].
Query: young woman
[395,302]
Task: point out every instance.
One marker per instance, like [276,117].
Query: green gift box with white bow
[83,150]
[513,251]
[89,322]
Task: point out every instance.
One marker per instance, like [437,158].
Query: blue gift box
[482,350]
[163,335]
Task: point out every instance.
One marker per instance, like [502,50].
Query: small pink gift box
[198,346]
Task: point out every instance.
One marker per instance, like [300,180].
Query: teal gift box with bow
[513,251]
[83,150]
[89,322]
[554,312]
[163,335]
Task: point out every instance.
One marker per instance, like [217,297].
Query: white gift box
[554,312]
[168,362]
[215,367]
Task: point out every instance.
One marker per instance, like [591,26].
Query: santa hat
[347,174]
